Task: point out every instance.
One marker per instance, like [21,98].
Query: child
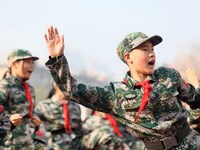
[62,118]
[101,131]
[18,99]
[147,102]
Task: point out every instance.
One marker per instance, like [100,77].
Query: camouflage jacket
[51,113]
[13,98]
[100,135]
[162,116]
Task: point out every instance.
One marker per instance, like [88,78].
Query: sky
[94,28]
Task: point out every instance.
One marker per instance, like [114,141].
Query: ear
[14,65]
[127,58]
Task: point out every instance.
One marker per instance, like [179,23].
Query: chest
[163,93]
[17,95]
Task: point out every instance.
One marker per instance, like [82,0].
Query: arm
[93,97]
[188,93]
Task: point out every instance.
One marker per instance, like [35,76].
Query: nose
[152,54]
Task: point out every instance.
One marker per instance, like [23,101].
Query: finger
[50,37]
[38,121]
[62,39]
[52,32]
[56,33]
[46,38]
[17,123]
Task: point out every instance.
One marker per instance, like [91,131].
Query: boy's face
[23,68]
[142,59]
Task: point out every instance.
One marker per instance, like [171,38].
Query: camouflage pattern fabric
[194,119]
[163,116]
[13,98]
[51,113]
[5,126]
[100,135]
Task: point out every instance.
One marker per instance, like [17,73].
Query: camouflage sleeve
[5,124]
[4,96]
[97,98]
[188,93]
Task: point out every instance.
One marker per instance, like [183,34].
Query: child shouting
[147,102]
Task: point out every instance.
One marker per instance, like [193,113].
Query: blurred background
[93,30]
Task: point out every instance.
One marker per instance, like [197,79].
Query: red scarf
[66,113]
[1,108]
[112,122]
[147,89]
[29,98]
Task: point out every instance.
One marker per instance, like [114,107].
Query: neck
[140,77]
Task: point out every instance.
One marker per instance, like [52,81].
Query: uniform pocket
[131,101]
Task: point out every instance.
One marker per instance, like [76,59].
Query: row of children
[21,118]
[147,104]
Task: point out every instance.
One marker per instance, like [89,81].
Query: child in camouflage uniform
[18,99]
[147,102]
[66,131]
[101,131]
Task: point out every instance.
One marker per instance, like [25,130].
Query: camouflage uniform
[162,124]
[51,113]
[163,116]
[13,98]
[100,135]
[5,126]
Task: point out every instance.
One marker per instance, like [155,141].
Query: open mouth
[30,72]
[151,63]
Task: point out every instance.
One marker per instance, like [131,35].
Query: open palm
[55,43]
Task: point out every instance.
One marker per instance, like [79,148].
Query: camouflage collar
[56,101]
[131,82]
[17,80]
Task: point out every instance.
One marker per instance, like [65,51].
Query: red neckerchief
[1,108]
[39,133]
[66,113]
[112,122]
[29,98]
[147,89]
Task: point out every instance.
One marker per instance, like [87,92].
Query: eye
[144,49]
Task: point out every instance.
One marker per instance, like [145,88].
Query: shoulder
[5,82]
[118,84]
[163,72]
[45,102]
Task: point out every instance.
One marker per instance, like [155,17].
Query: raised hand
[192,77]
[54,42]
